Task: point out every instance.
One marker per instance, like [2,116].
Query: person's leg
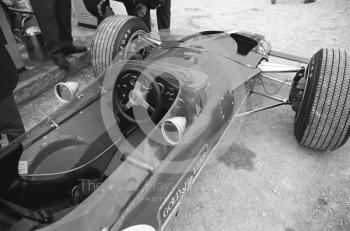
[64,22]
[147,20]
[131,10]
[164,15]
[10,120]
[45,13]
[92,7]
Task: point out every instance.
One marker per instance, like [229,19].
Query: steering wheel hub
[135,97]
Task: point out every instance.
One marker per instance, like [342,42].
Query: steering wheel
[132,90]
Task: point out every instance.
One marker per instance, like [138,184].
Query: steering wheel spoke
[137,86]
[146,105]
[128,105]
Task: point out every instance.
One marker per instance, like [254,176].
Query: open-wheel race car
[122,153]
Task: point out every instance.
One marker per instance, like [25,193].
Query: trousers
[54,19]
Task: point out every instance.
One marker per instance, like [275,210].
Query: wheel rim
[134,36]
[306,74]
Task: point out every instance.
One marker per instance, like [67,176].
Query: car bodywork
[208,77]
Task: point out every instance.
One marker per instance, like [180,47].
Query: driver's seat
[24,192]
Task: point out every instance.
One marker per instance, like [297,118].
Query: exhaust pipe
[65,91]
[172,129]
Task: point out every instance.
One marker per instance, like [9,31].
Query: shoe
[61,62]
[309,1]
[74,49]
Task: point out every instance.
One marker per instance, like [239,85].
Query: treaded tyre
[323,121]
[111,36]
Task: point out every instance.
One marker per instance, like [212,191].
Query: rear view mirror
[65,91]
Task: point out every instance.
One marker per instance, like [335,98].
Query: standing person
[164,15]
[163,19]
[101,9]
[138,9]
[10,120]
[54,19]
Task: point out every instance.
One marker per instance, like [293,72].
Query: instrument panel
[168,87]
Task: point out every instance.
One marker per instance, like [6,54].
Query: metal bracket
[103,90]
[276,98]
[268,67]
[80,95]
[274,79]
[281,101]
[152,40]
[53,124]
[260,109]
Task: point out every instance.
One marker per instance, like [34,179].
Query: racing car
[122,152]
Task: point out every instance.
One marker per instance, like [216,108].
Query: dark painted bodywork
[212,73]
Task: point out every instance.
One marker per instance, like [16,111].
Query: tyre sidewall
[127,30]
[111,37]
[312,73]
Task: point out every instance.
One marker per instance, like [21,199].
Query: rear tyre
[323,120]
[273,1]
[113,35]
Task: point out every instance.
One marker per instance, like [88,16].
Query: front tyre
[113,35]
[323,120]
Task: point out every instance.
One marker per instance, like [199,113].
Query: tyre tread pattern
[108,38]
[327,126]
